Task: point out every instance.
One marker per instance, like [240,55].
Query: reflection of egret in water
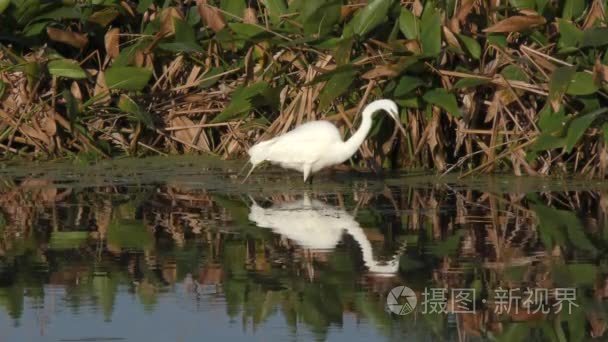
[319,226]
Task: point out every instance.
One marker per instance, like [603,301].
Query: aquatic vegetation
[513,85]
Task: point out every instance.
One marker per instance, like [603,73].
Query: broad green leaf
[67,240]
[569,34]
[129,234]
[523,4]
[513,72]
[558,84]
[127,105]
[470,82]
[127,78]
[443,99]
[242,101]
[430,32]
[276,8]
[573,9]
[127,55]
[348,68]
[595,37]
[409,24]
[406,85]
[185,38]
[3,5]
[366,19]
[605,131]
[552,122]
[337,85]
[578,126]
[247,31]
[234,7]
[497,40]
[319,16]
[143,5]
[546,141]
[67,68]
[211,78]
[65,12]
[582,84]
[471,45]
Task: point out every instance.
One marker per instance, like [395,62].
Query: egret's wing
[296,150]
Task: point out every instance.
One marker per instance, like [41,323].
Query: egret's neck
[352,144]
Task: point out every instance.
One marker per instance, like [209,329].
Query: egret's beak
[399,124]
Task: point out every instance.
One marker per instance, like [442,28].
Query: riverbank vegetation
[516,86]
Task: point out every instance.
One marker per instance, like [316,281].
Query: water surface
[176,249]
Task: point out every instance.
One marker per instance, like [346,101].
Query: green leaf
[337,85]
[3,5]
[328,75]
[569,34]
[471,45]
[67,240]
[127,78]
[368,18]
[318,17]
[558,84]
[523,4]
[430,32]
[61,13]
[582,84]
[234,7]
[406,85]
[470,82]
[595,37]
[573,9]
[578,126]
[129,234]
[211,78]
[546,141]
[276,8]
[443,99]
[67,68]
[185,38]
[409,24]
[242,101]
[513,72]
[2,88]
[497,40]
[127,105]
[246,31]
[143,5]
[552,122]
[605,131]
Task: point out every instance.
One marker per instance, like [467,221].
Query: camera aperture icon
[401,300]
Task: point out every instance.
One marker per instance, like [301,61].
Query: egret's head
[388,106]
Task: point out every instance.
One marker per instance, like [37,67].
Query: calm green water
[176,249]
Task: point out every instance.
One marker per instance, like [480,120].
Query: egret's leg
[306,171]
[243,169]
[249,173]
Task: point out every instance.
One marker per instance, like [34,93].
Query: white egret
[315,145]
[319,226]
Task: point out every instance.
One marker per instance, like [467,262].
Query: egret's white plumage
[315,145]
[319,226]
